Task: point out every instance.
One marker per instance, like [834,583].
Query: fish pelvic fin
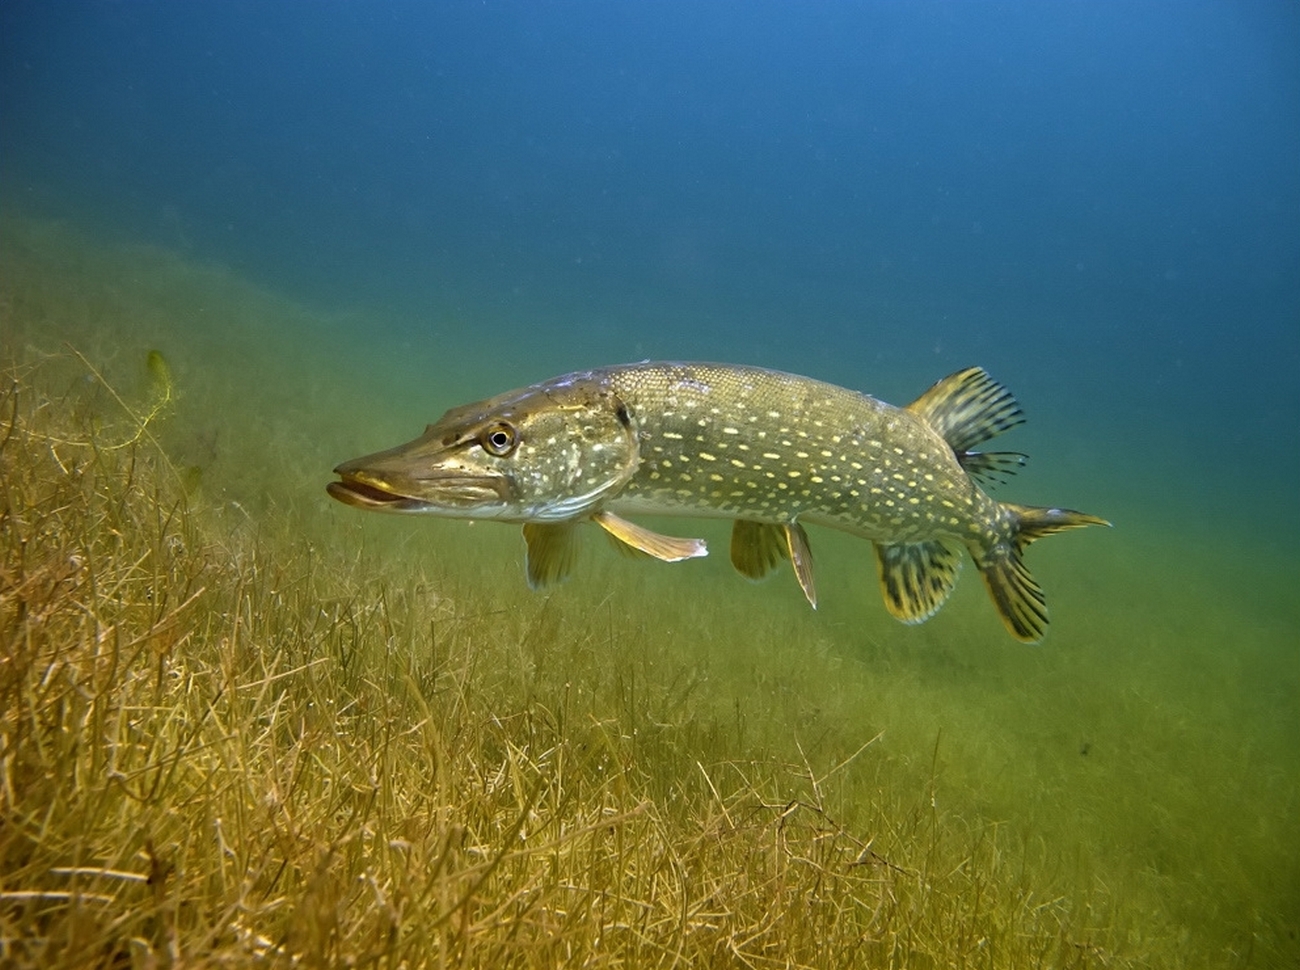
[968,408]
[1018,597]
[800,554]
[916,577]
[758,547]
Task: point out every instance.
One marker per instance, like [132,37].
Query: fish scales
[768,450]
[773,447]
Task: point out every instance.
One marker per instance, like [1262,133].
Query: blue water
[1099,202]
[1098,199]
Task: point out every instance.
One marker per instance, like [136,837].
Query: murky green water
[1151,745]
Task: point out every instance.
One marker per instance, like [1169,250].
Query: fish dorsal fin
[758,547]
[662,547]
[916,577]
[991,467]
[552,551]
[967,408]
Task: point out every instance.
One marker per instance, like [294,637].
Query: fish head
[547,453]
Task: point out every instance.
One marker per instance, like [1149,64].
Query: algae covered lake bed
[244,724]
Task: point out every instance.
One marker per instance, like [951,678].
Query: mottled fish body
[769,450]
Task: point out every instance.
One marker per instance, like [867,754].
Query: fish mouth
[448,494]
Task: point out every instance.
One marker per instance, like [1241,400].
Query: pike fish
[769,450]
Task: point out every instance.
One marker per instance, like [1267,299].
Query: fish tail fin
[1014,591]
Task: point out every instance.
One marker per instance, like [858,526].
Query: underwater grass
[210,758]
[241,726]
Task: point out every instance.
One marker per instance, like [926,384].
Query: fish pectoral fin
[916,577]
[758,547]
[552,551]
[656,544]
[800,554]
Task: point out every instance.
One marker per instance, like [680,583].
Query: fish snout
[403,480]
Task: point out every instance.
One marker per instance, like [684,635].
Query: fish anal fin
[757,547]
[967,408]
[656,544]
[916,577]
[800,554]
[552,551]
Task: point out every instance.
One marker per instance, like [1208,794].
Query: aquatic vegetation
[233,733]
[213,752]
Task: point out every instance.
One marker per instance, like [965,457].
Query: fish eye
[499,439]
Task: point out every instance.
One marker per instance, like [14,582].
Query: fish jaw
[421,477]
[552,452]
